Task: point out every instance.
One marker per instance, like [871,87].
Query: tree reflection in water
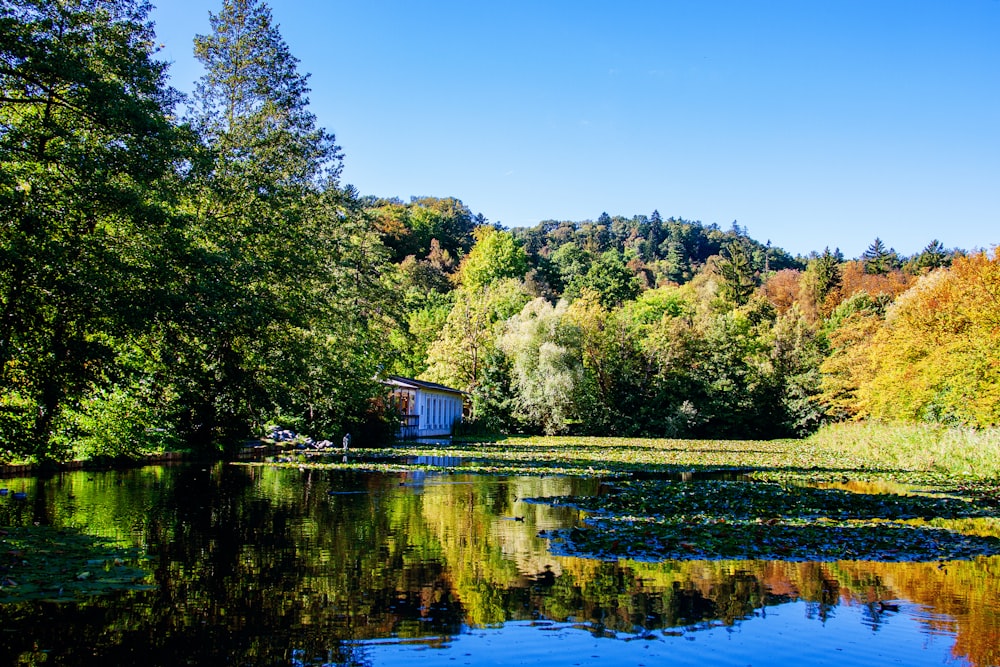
[256,565]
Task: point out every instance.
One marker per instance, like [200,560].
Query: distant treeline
[640,325]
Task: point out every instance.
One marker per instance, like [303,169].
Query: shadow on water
[258,565]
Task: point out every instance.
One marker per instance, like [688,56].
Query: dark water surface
[266,566]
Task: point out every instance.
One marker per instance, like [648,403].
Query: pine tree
[654,236]
[823,277]
[877,258]
[934,256]
[252,105]
[283,273]
[736,270]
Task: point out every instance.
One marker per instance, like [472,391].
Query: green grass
[914,455]
[957,452]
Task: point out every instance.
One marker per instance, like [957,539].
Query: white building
[426,409]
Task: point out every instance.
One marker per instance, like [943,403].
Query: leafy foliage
[88,153]
[495,256]
[935,357]
[175,282]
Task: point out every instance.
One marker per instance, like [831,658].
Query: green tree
[87,151]
[878,260]
[609,278]
[283,285]
[412,228]
[570,261]
[496,255]
[737,273]
[822,278]
[934,256]
[470,333]
[546,365]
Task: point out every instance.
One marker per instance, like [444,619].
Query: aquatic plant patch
[650,538]
[44,563]
[753,520]
[798,499]
[764,500]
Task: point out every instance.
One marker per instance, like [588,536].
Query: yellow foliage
[849,366]
[937,356]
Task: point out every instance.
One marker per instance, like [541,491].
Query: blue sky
[811,123]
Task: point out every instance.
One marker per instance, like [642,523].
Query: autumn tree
[935,357]
[782,289]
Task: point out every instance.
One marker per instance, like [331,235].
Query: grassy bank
[957,452]
[919,455]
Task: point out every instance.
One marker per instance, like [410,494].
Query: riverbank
[962,453]
[33,469]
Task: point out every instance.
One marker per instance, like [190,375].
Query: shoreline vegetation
[927,452]
[852,491]
[922,451]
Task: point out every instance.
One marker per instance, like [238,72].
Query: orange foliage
[782,289]
[853,279]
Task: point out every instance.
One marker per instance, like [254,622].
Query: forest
[181,272]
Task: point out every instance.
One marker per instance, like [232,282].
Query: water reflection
[256,565]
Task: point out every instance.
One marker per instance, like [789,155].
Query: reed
[957,452]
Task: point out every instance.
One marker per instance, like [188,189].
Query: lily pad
[44,563]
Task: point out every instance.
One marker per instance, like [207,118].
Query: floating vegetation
[43,563]
[718,519]
[692,499]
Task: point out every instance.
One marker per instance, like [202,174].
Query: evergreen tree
[877,258]
[934,256]
[822,277]
[736,271]
[654,237]
[282,270]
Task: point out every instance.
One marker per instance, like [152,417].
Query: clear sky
[812,123]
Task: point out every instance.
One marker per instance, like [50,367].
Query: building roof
[410,383]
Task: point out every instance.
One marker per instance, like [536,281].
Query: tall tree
[278,262]
[86,151]
[877,258]
[736,271]
[821,279]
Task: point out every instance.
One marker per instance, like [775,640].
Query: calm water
[263,566]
